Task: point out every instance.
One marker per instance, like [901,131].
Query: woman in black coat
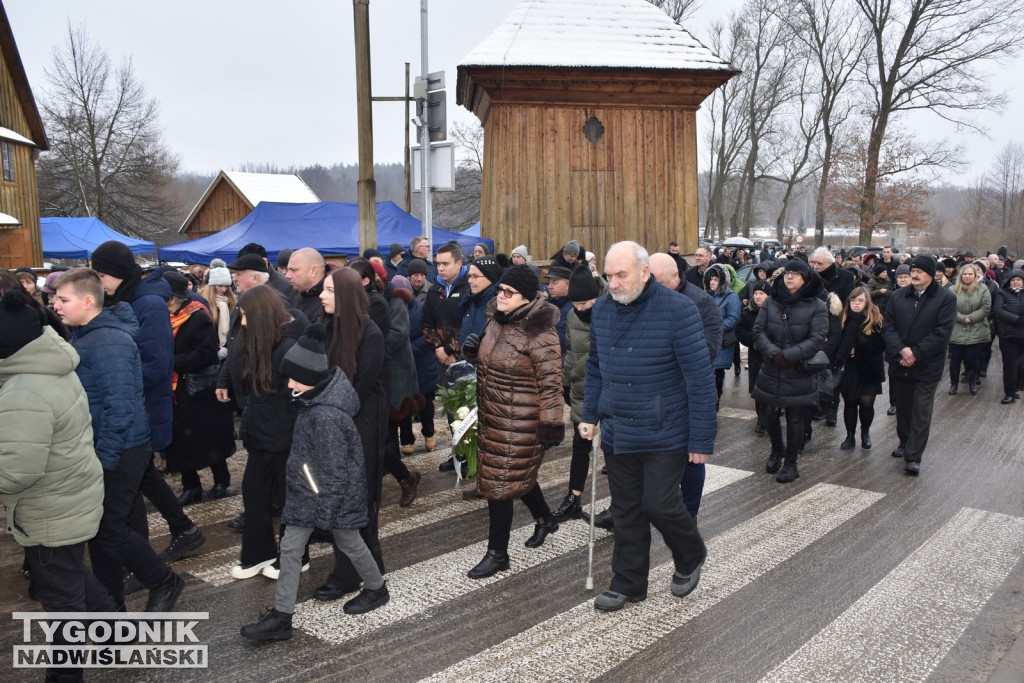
[268,417]
[759,293]
[863,351]
[1008,312]
[791,327]
[203,428]
[355,344]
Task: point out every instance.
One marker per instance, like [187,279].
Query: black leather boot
[774,461]
[848,443]
[541,531]
[789,472]
[865,439]
[571,508]
[273,625]
[492,563]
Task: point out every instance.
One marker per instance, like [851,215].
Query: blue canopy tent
[473,231]
[77,238]
[332,228]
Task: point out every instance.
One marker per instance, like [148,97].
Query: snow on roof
[592,33]
[8,134]
[271,187]
[259,187]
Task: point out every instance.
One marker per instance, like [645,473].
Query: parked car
[862,251]
[773,245]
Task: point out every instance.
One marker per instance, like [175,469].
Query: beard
[628,296]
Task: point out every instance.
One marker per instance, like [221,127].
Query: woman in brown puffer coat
[519,402]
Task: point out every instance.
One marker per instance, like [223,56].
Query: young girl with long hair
[863,349]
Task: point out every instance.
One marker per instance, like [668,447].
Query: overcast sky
[270,82]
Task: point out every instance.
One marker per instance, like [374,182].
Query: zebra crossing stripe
[416,589]
[215,511]
[431,509]
[903,627]
[581,643]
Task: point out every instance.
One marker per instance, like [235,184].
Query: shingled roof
[592,33]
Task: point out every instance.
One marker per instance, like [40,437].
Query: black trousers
[579,464]
[264,472]
[500,512]
[968,355]
[155,488]
[645,491]
[393,464]
[1012,351]
[221,475]
[61,583]
[116,545]
[797,421]
[425,418]
[914,403]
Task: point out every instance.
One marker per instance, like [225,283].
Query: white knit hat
[219,275]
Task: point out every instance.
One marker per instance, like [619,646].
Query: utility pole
[367,187]
[428,205]
[407,167]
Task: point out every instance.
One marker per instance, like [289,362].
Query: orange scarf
[177,320]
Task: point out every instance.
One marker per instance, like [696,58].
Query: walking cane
[593,509]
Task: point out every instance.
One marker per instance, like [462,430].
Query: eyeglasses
[507,292]
[473,277]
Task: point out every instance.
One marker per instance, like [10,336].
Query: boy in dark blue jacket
[111,372]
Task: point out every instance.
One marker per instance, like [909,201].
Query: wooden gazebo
[589,114]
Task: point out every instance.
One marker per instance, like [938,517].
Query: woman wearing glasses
[790,327]
[519,402]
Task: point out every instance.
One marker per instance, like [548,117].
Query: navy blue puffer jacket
[649,378]
[111,372]
[156,349]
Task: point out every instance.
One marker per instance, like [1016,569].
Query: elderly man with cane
[650,384]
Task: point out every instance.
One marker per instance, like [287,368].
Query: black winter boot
[273,625]
[774,461]
[571,508]
[541,531]
[848,443]
[789,472]
[367,600]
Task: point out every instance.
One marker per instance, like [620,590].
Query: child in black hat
[325,480]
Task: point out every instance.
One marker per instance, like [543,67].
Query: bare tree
[460,208]
[928,54]
[1006,190]
[829,30]
[726,131]
[767,61]
[974,213]
[798,142]
[106,158]
[678,10]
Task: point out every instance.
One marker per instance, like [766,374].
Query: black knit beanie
[115,259]
[306,362]
[582,286]
[19,323]
[926,263]
[795,265]
[417,265]
[489,267]
[762,286]
[521,279]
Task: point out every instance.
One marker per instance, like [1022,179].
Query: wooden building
[589,110]
[233,194]
[21,139]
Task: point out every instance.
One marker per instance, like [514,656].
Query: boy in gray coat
[325,483]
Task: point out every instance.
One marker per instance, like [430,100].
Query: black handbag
[729,338]
[201,381]
[816,363]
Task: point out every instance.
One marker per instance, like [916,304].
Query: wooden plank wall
[222,209]
[545,183]
[20,246]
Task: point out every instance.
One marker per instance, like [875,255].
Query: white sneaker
[274,570]
[248,571]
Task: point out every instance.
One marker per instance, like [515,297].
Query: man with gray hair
[649,383]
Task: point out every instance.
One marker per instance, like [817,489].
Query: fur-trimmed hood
[717,269]
[835,306]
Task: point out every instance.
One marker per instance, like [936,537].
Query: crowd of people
[109,375]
